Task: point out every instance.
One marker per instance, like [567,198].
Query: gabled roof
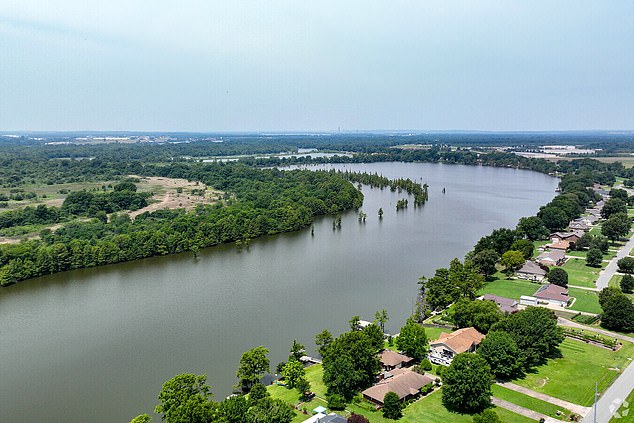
[507,305]
[532,268]
[554,256]
[461,340]
[552,292]
[404,383]
[392,358]
[560,245]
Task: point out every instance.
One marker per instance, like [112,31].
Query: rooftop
[404,383]
[461,340]
[392,358]
[552,292]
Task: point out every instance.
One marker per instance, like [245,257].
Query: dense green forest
[268,201]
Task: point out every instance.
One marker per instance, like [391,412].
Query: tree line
[269,201]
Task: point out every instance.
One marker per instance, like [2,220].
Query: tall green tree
[412,340]
[594,258]
[525,246]
[558,276]
[618,313]
[535,332]
[142,418]
[616,227]
[501,352]
[612,207]
[381,317]
[323,340]
[532,228]
[297,350]
[392,407]
[512,260]
[293,372]
[479,314]
[186,398]
[627,284]
[253,364]
[485,261]
[467,384]
[350,364]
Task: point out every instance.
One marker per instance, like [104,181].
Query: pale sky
[296,65]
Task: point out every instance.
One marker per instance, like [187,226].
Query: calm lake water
[96,344]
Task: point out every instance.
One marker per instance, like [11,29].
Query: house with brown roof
[551,258]
[571,237]
[404,382]
[560,245]
[552,294]
[531,271]
[391,360]
[507,305]
[448,345]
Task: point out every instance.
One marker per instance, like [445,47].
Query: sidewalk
[575,408]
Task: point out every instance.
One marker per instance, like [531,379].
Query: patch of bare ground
[174,193]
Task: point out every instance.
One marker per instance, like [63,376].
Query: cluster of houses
[554,254]
[397,375]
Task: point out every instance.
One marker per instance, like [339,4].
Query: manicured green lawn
[587,301]
[582,254]
[626,412]
[595,230]
[509,288]
[615,281]
[529,402]
[434,333]
[572,377]
[579,274]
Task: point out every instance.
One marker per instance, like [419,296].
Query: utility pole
[596,395]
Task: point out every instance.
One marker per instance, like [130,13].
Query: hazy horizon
[284,66]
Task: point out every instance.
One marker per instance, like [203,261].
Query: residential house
[404,382]
[322,417]
[507,305]
[579,225]
[391,360]
[551,258]
[531,271]
[571,237]
[552,294]
[448,345]
[560,245]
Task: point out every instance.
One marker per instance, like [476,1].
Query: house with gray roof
[531,271]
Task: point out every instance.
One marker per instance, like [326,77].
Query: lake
[96,344]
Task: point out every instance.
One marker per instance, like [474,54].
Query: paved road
[579,409]
[612,398]
[610,270]
[565,322]
[522,411]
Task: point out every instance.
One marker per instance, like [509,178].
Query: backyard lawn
[587,301]
[579,274]
[509,288]
[572,377]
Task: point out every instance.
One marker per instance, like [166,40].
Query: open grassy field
[531,403]
[572,377]
[509,288]
[579,274]
[582,254]
[427,409]
[587,301]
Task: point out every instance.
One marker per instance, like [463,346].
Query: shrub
[426,365]
[336,401]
